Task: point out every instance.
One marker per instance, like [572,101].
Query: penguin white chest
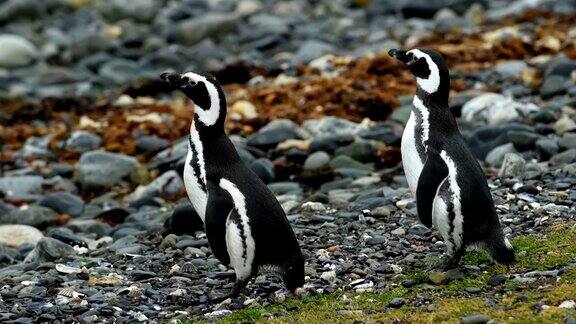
[410,158]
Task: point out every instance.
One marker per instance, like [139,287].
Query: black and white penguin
[449,185]
[246,227]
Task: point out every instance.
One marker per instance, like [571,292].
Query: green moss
[448,303]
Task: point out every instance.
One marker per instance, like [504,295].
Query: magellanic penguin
[246,227]
[449,185]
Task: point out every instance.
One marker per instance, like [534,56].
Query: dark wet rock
[330,143]
[98,168]
[184,220]
[49,249]
[264,169]
[420,230]
[485,139]
[66,235]
[63,203]
[151,143]
[497,280]
[522,140]
[268,139]
[397,302]
[546,147]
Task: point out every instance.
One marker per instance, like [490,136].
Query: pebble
[16,51]
[396,302]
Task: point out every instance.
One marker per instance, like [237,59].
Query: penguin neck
[435,100]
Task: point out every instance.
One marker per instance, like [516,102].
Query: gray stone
[331,126]
[33,215]
[359,151]
[495,109]
[316,161]
[567,141]
[564,125]
[553,85]
[63,203]
[168,186]
[475,319]
[547,147]
[268,139]
[310,50]
[566,157]
[99,168]
[119,71]
[283,188]
[346,162]
[83,141]
[16,51]
[513,166]
[139,10]
[496,156]
[511,68]
[523,140]
[17,235]
[21,185]
[193,30]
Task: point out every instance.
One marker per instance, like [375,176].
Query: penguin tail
[501,250]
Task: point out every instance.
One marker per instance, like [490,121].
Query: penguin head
[204,91]
[428,67]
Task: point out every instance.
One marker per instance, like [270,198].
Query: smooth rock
[17,235]
[475,319]
[100,169]
[33,215]
[16,51]
[63,203]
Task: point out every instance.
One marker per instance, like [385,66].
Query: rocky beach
[95,225]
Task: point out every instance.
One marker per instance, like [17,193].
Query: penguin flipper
[432,175]
[218,208]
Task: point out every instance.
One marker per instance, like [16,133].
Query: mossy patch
[450,302]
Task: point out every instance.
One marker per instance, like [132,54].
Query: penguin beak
[401,56]
[176,80]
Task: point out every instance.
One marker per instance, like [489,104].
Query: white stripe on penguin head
[431,83]
[210,116]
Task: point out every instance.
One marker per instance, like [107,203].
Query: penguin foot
[452,261]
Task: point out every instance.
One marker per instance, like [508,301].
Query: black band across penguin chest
[195,165]
[419,134]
